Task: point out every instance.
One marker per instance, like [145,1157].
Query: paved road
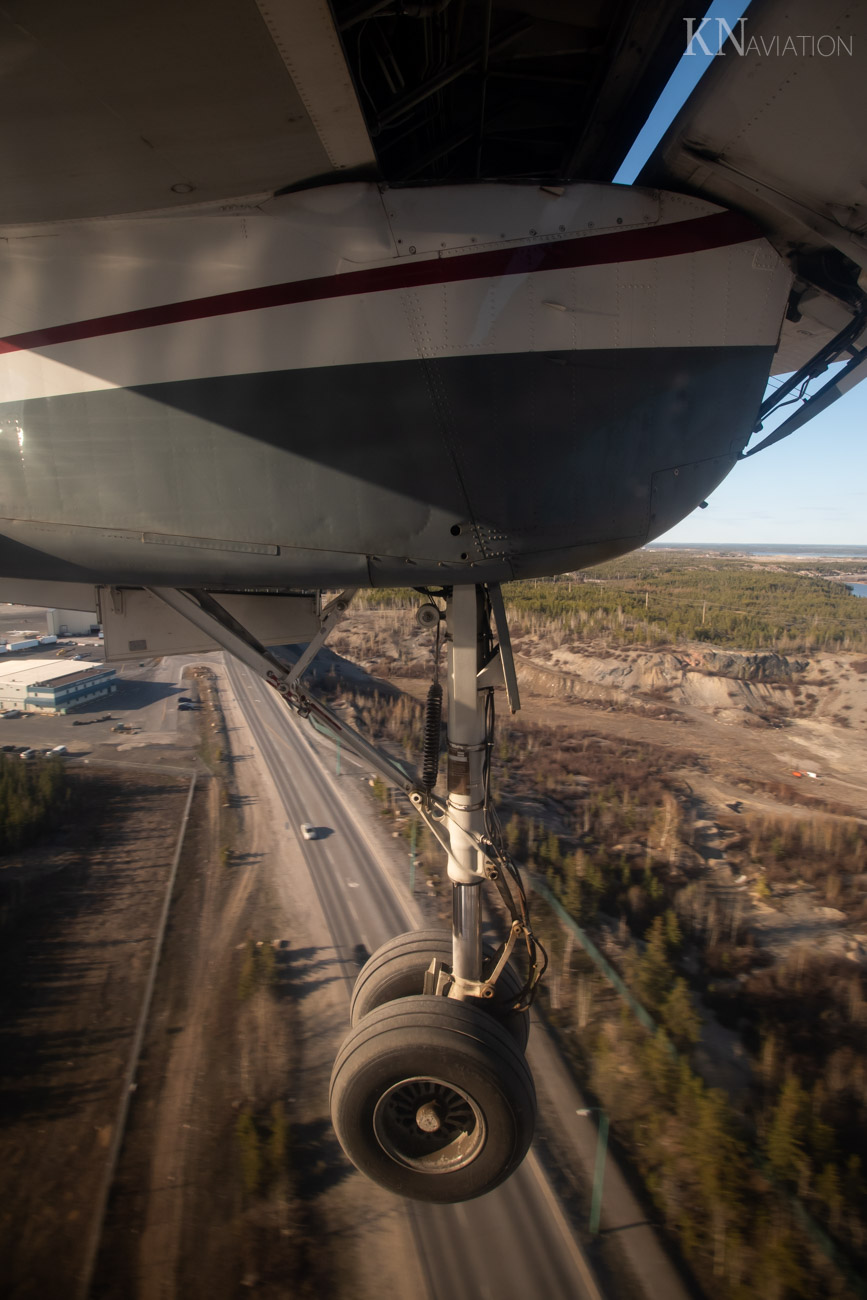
[513,1243]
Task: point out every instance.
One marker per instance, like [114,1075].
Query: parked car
[8,749]
[28,753]
[185,699]
[59,749]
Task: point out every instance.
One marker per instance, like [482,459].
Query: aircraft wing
[110,108]
[774,130]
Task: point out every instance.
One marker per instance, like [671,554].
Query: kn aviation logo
[715,38]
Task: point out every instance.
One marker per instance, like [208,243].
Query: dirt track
[178,1224]
[730,753]
[72,975]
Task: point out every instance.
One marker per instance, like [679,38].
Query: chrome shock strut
[467,625]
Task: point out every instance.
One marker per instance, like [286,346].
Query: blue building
[37,685]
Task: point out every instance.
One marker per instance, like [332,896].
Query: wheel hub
[427,1124]
[428,1117]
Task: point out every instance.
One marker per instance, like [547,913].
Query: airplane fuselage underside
[364,386]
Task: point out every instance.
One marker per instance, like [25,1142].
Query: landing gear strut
[398,970]
[430,1093]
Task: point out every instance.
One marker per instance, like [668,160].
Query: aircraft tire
[432,1099]
[397,970]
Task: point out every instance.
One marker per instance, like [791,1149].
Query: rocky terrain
[774,738]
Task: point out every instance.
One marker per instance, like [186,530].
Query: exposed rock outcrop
[712,680]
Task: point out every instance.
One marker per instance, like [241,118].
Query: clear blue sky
[810,488]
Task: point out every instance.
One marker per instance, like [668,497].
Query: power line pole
[599,1171]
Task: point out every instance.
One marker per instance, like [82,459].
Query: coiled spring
[432,724]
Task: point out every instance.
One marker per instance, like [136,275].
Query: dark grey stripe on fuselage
[453,469]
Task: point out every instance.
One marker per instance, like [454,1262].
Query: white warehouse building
[71,622]
[38,685]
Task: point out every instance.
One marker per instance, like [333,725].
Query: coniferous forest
[33,798]
[657,598]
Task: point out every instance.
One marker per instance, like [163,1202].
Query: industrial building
[40,685]
[71,622]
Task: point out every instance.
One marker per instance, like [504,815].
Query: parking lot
[150,718]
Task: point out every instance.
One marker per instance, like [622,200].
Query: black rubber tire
[397,970]
[421,1048]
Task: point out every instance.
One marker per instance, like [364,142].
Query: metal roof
[32,672]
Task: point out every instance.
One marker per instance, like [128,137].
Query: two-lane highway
[358,900]
[514,1243]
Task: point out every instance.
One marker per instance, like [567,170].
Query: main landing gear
[430,1093]
[433,1099]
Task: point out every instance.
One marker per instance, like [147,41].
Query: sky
[810,488]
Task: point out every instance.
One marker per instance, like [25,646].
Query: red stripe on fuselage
[674,239]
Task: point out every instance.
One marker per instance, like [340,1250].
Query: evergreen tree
[551,850]
[673,933]
[655,972]
[821,1135]
[660,1065]
[719,1153]
[680,1017]
[577,902]
[829,1190]
[690,1091]
[784,1145]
